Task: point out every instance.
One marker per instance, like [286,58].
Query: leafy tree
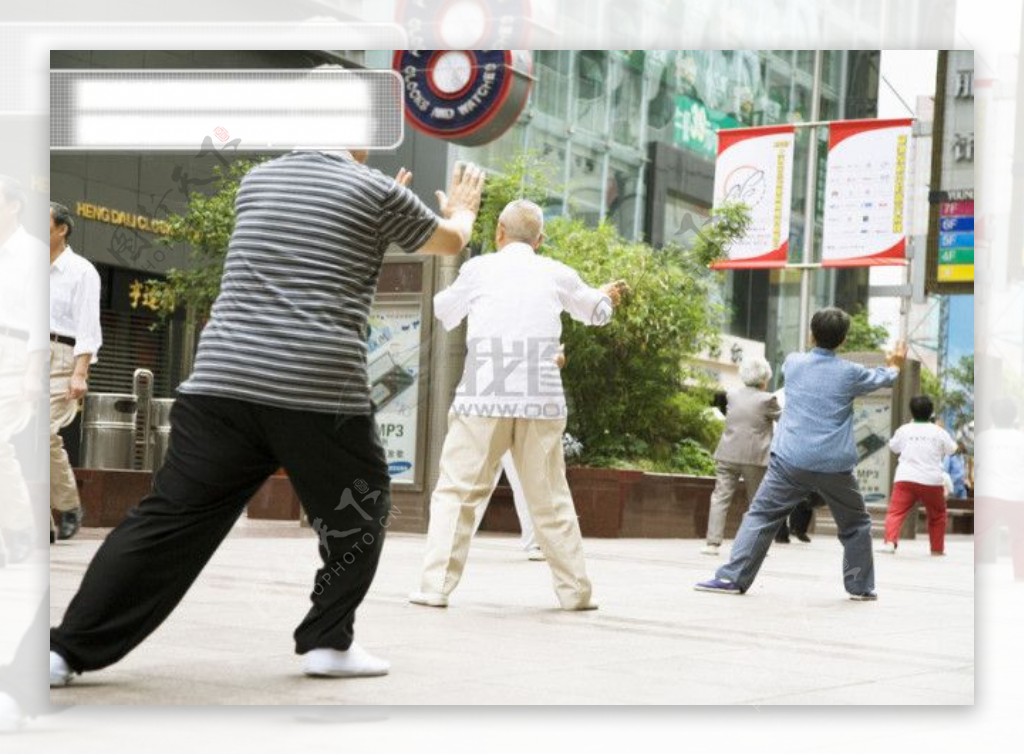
[958,393]
[863,336]
[632,399]
[206,228]
[524,177]
[729,223]
[953,394]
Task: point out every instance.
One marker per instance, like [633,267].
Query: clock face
[452,72]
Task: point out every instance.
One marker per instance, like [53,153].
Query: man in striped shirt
[280,381]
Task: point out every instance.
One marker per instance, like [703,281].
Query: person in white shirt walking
[75,339]
[511,398]
[921,446]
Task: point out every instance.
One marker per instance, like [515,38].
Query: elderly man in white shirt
[511,397]
[75,338]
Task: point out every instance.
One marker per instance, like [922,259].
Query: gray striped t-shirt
[289,328]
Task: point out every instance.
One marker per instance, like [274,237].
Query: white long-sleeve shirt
[513,300]
[75,302]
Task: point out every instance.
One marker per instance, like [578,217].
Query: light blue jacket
[815,431]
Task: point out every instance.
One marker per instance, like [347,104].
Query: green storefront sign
[695,126]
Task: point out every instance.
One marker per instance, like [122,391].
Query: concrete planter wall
[629,503]
[107,494]
[609,502]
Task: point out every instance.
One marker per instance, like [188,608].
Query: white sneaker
[535,554]
[886,548]
[710,550]
[349,663]
[60,672]
[434,599]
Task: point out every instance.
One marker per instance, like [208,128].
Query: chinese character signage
[694,126]
[867,189]
[755,167]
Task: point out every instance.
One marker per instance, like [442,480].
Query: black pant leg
[339,470]
[216,460]
[800,519]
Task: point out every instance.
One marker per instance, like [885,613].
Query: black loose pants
[220,453]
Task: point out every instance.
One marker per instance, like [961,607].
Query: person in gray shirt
[742,453]
[280,381]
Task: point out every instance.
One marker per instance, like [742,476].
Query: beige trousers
[470,460]
[727,480]
[63,490]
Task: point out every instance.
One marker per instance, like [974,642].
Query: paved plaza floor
[793,639]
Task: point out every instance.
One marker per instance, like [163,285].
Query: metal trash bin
[160,428]
[108,430]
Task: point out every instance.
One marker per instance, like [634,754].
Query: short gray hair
[522,220]
[62,216]
[755,370]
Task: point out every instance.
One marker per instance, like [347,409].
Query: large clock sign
[469,97]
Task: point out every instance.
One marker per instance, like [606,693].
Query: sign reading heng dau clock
[468,97]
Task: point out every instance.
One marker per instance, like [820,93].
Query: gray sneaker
[864,596]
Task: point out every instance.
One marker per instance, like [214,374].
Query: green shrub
[633,402]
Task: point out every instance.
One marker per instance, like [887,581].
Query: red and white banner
[867,193]
[755,167]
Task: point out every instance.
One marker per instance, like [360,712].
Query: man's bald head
[523,221]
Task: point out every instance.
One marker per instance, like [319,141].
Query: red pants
[904,496]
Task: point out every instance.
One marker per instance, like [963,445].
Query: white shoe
[60,672]
[433,599]
[535,554]
[886,548]
[709,550]
[349,663]
[588,606]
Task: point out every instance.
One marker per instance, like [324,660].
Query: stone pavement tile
[665,681]
[958,681]
[795,636]
[709,680]
[947,639]
[869,694]
[611,685]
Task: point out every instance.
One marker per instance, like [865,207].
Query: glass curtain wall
[592,114]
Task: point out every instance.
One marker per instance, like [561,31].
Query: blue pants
[783,488]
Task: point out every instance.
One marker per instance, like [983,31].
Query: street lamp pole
[807,257]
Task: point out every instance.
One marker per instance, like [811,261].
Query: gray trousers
[727,479]
[783,488]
